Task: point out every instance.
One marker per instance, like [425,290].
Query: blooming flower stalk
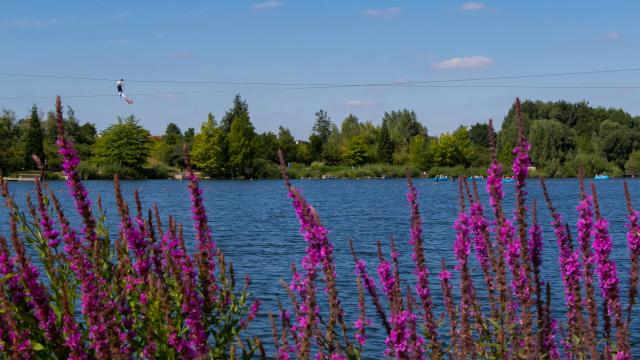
[421,270]
[608,278]
[633,243]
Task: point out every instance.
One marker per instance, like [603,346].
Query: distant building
[301,142]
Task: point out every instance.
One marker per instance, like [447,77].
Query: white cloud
[26,23]
[382,13]
[613,35]
[266,5]
[473,6]
[361,103]
[466,62]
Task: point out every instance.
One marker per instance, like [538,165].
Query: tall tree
[33,139]
[240,142]
[11,151]
[266,147]
[125,143]
[403,125]
[479,134]
[356,153]
[418,151]
[350,127]
[207,151]
[551,141]
[238,109]
[385,145]
[322,127]
[172,134]
[287,143]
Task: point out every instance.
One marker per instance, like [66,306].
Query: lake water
[254,224]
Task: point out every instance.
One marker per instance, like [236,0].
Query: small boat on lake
[508,179]
[441,178]
[475,178]
[601,177]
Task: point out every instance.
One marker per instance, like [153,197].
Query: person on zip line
[120,86]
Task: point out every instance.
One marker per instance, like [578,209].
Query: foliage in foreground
[146,297]
[141,295]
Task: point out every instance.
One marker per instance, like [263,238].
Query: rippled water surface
[254,224]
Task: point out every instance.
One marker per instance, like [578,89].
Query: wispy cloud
[28,23]
[271,4]
[473,6]
[466,62]
[361,103]
[612,35]
[160,35]
[382,13]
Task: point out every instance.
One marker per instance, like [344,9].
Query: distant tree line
[564,136]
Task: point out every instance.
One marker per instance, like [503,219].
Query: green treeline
[564,136]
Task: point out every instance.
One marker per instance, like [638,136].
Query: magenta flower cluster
[142,294]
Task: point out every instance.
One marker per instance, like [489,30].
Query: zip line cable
[585,87]
[329,85]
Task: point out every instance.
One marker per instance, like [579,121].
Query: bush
[156,171]
[265,169]
[88,171]
[108,171]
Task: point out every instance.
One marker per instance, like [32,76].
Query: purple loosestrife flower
[134,235]
[73,339]
[19,344]
[359,325]
[494,189]
[447,291]
[362,322]
[183,270]
[482,242]
[38,297]
[92,300]
[535,258]
[633,243]
[535,246]
[319,254]
[550,341]
[421,271]
[386,278]
[608,275]
[51,235]
[97,307]
[571,272]
[521,164]
[461,249]
[400,344]
[78,191]
[7,268]
[205,257]
[315,236]
[191,305]
[253,311]
[494,183]
[370,286]
[585,233]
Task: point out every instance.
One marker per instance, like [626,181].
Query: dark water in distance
[254,224]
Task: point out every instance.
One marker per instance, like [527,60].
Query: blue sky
[314,42]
